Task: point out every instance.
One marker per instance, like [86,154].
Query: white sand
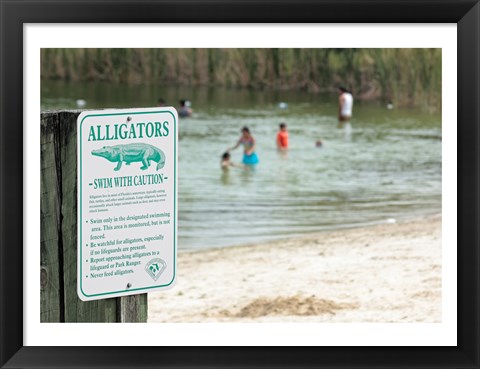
[383,273]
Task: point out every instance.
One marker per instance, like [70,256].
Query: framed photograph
[327,184]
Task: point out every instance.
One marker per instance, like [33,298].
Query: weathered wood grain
[133,309]
[50,295]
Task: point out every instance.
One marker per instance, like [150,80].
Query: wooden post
[58,240]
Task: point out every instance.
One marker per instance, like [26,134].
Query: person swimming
[248,142]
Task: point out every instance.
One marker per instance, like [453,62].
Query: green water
[389,168]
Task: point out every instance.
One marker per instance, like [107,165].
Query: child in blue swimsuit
[248,142]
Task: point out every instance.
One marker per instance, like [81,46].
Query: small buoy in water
[283,105]
[391,220]
[81,103]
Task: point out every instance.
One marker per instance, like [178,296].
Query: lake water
[389,168]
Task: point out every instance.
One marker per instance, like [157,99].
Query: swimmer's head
[226,156]
[318,143]
[283,126]
[161,102]
[246,132]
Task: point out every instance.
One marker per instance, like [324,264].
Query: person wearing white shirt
[345,105]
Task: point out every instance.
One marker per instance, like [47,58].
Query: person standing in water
[345,105]
[248,142]
[184,110]
[226,163]
[282,137]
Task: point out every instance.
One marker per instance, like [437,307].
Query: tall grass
[407,77]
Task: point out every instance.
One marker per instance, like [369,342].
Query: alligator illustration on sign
[130,153]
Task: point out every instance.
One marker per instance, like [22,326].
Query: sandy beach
[381,273]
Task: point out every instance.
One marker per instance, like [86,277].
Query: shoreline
[389,272]
[348,227]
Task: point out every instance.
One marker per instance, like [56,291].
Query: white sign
[127,201]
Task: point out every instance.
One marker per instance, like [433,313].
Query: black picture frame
[14,14]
